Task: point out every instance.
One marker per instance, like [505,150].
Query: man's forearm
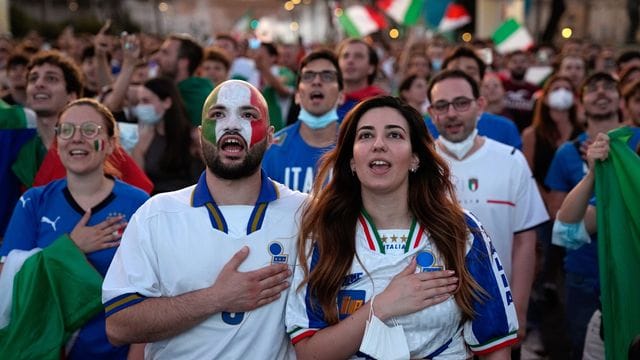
[523,270]
[156,319]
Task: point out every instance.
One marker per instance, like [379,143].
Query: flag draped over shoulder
[618,196]
[55,292]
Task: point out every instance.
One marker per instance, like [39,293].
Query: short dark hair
[189,49]
[454,74]
[17,59]
[627,56]
[325,54]
[213,53]
[595,77]
[463,51]
[72,75]
[631,89]
[228,37]
[373,56]
[89,52]
[270,47]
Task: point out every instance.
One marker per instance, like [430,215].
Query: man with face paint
[202,272]
[293,157]
[492,180]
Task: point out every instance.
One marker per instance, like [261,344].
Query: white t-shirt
[179,242]
[496,185]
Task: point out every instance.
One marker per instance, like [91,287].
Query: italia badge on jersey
[427,262]
[473,184]
[277,253]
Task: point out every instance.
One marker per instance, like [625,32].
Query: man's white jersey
[496,185]
[436,332]
[179,242]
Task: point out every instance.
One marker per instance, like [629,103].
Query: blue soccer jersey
[43,214]
[291,161]
[436,332]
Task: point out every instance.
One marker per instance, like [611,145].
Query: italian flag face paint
[98,145]
[226,109]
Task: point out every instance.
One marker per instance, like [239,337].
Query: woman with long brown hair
[383,234]
[554,123]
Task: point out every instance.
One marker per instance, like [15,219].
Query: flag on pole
[360,20]
[511,36]
[404,12]
[618,224]
[455,16]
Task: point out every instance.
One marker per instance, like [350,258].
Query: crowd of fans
[549,102]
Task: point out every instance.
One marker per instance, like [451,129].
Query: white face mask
[459,149]
[318,122]
[147,114]
[560,99]
[383,342]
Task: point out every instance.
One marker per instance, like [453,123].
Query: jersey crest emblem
[279,140]
[427,262]
[473,184]
[276,250]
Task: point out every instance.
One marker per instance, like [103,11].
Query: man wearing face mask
[293,157]
[200,272]
[492,180]
[519,93]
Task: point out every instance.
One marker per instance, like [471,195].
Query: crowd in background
[545,101]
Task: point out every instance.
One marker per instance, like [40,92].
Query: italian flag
[455,16]
[360,20]
[404,12]
[511,36]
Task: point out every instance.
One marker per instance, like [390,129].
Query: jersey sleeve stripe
[496,344]
[300,334]
[123,301]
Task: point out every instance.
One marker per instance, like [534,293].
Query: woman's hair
[329,221]
[542,123]
[177,127]
[110,125]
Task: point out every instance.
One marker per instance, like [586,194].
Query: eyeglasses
[326,76]
[605,85]
[88,130]
[460,104]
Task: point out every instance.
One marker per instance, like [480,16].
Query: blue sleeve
[495,323]
[500,129]
[556,176]
[431,127]
[22,232]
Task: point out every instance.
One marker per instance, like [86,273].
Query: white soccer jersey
[179,242]
[436,332]
[496,185]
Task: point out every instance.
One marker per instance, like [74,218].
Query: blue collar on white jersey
[202,197]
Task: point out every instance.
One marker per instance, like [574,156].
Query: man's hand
[243,291]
